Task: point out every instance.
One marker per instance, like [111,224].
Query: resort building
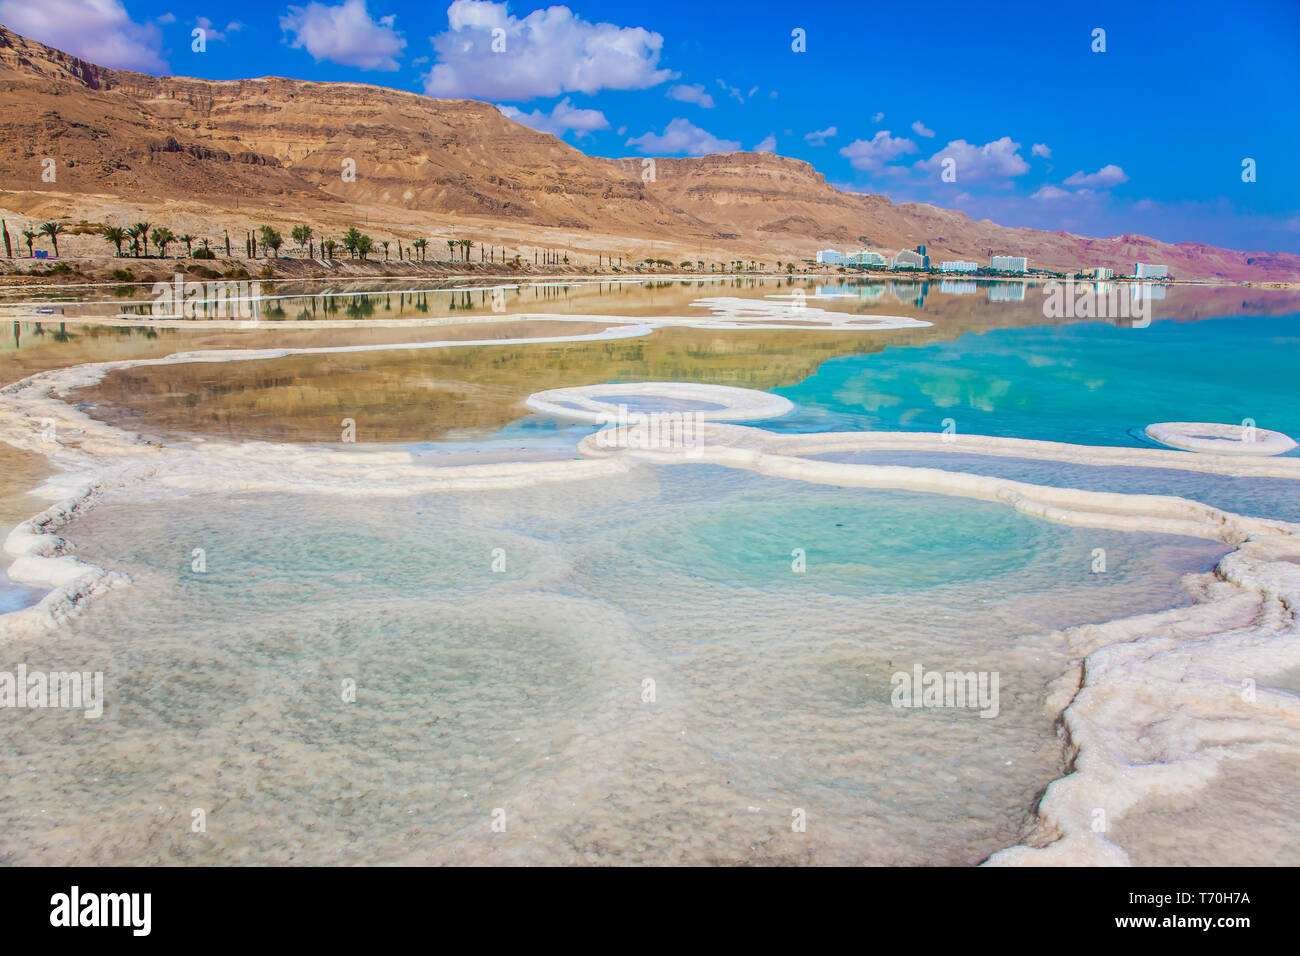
[1009,263]
[831,257]
[958,265]
[909,259]
[1099,272]
[865,258]
[1145,270]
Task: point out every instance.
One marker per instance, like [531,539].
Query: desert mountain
[280,150]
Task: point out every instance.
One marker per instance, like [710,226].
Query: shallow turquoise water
[521,685]
[1089,383]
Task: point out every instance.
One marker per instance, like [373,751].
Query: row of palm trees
[51,229]
[139,235]
[354,242]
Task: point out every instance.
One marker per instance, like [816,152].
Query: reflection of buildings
[1147,291]
[1009,264]
[958,265]
[1145,270]
[958,286]
[910,292]
[831,257]
[1007,291]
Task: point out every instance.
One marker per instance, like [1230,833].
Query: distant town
[918,260]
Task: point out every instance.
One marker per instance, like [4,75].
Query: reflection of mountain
[424,395]
[207,155]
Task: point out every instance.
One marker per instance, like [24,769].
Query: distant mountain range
[280,148]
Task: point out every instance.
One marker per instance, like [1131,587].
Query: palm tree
[203,245]
[351,239]
[328,247]
[162,237]
[301,235]
[420,244]
[142,233]
[189,243]
[116,235]
[272,240]
[451,248]
[385,248]
[53,229]
[29,235]
[364,245]
[467,245]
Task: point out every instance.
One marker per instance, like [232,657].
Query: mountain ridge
[261,146]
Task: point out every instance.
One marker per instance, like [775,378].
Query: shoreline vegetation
[314,255]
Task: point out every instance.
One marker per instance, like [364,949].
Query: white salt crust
[1217,438]
[1154,709]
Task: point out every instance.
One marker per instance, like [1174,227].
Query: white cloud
[819,137]
[564,116]
[1050,192]
[167,18]
[1104,178]
[213,33]
[1041,149]
[547,53]
[919,129]
[768,145]
[871,154]
[732,91]
[682,136]
[878,117]
[100,31]
[344,34]
[694,93]
[996,160]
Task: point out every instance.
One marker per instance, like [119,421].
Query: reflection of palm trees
[361,307]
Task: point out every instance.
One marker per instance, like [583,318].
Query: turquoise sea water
[524,687]
[1089,383]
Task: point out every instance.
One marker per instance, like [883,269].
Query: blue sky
[1148,136]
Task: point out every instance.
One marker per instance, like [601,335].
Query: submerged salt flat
[523,688]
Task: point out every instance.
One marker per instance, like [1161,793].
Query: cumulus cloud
[1104,178]
[871,154]
[100,31]
[820,136]
[768,144]
[682,136]
[1050,192]
[694,93]
[997,160]
[564,116]
[1041,149]
[920,129]
[344,34]
[547,53]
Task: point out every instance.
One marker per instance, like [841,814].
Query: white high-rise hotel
[1009,263]
[1145,270]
